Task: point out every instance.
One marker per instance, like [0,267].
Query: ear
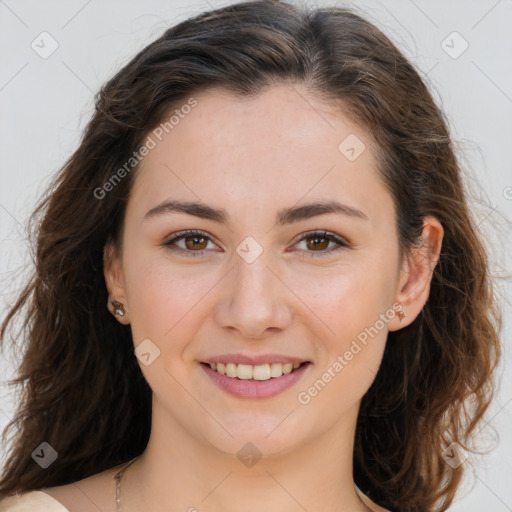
[114,280]
[416,274]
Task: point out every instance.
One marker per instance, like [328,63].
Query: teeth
[276,370]
[258,372]
[287,368]
[231,370]
[243,371]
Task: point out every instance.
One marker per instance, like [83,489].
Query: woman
[267,207]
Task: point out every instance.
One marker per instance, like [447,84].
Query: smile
[255,381]
[256,372]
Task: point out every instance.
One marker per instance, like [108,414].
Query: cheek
[164,298]
[354,307]
[349,297]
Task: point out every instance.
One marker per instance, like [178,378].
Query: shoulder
[91,494]
[32,501]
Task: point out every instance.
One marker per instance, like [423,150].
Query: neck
[180,471]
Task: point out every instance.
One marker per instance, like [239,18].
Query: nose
[254,300]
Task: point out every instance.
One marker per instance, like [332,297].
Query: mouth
[255,381]
[260,372]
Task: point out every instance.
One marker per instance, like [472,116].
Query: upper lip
[255,360]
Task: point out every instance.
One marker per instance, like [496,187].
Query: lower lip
[251,388]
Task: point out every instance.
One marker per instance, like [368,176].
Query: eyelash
[342,244]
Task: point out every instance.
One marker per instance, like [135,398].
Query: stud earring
[118,308]
[401,315]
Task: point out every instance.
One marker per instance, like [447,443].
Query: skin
[254,157]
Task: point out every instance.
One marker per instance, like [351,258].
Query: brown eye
[189,243]
[196,242]
[318,242]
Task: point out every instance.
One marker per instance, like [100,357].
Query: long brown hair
[82,390]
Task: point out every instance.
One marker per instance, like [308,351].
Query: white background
[45,103]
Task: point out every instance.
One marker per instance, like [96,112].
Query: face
[261,278]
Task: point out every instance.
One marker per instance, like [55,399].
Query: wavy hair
[81,388]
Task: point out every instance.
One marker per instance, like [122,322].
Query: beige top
[32,501]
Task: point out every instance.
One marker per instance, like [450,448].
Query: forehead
[285,115]
[283,143]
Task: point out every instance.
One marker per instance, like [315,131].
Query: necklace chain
[119,476]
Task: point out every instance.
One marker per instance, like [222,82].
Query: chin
[270,436]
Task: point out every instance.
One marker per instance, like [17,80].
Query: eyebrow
[283,217]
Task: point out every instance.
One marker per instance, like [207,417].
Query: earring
[119,308]
[401,315]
